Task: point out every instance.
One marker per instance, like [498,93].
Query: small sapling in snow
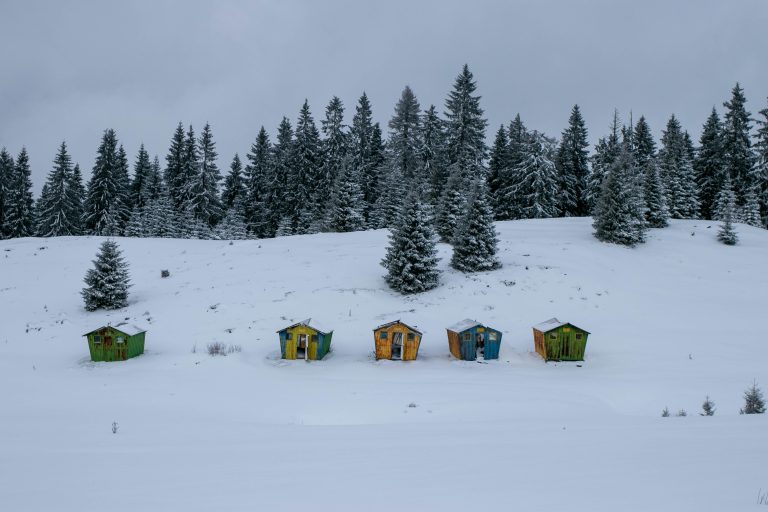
[708,407]
[753,401]
[114,427]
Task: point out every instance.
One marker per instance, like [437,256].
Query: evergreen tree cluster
[333,176]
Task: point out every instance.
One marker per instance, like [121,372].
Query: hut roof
[382,326]
[124,327]
[554,323]
[308,323]
[464,325]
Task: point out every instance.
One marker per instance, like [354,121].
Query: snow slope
[672,321]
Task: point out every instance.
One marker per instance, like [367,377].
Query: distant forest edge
[343,178]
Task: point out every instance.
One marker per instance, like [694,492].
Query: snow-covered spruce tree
[753,401]
[262,206]
[432,153]
[707,408]
[536,189]
[738,157]
[676,169]
[304,173]
[346,211]
[123,179]
[404,128]
[55,207]
[465,127]
[411,259]
[656,214]
[76,192]
[708,164]
[498,162]
[725,212]
[203,186]
[643,145]
[606,152]
[761,161]
[174,167]
[333,149]
[360,149]
[452,205]
[572,163]
[137,223]
[234,184]
[6,172]
[161,220]
[190,169]
[619,215]
[506,203]
[107,282]
[285,227]
[750,211]
[233,226]
[101,202]
[282,165]
[388,203]
[19,213]
[142,169]
[475,243]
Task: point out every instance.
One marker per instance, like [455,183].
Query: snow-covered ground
[672,321]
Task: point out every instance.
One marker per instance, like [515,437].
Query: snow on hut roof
[125,327]
[465,324]
[311,324]
[553,323]
[398,322]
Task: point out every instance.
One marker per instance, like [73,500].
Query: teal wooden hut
[560,341]
[116,342]
[304,340]
[469,339]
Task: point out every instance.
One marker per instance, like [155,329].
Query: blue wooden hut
[469,339]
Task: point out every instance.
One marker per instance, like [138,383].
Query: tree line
[338,177]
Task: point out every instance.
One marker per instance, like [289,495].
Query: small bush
[234,348]
[708,407]
[681,413]
[665,413]
[217,349]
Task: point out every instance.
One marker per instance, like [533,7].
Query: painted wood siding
[453,344]
[564,343]
[410,348]
[318,344]
[108,349]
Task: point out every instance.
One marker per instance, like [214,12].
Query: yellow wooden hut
[396,340]
[304,340]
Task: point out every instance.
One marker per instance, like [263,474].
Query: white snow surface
[463,325]
[249,431]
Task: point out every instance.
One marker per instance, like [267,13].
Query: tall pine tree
[738,158]
[203,194]
[305,180]
[56,214]
[404,128]
[264,195]
[19,215]
[102,204]
[573,167]
[535,190]
[725,212]
[346,211]
[6,174]
[709,165]
[334,147]
[142,169]
[174,167]
[677,173]
[465,127]
[432,154]
[234,184]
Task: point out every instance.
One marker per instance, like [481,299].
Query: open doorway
[480,345]
[301,346]
[397,345]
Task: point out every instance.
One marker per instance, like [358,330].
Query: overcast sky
[68,70]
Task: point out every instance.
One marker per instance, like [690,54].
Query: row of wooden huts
[467,340]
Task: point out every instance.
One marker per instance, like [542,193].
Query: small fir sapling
[753,401]
[708,407]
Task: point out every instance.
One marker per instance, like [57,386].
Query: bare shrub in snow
[231,349]
[217,349]
[665,413]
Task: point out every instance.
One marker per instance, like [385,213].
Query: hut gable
[396,340]
[559,341]
[470,339]
[305,340]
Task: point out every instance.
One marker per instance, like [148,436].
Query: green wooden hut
[304,340]
[116,342]
[560,341]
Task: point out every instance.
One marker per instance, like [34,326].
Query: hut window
[96,338]
[411,336]
[467,336]
[553,336]
[120,339]
[492,336]
[578,335]
[289,335]
[383,335]
[314,338]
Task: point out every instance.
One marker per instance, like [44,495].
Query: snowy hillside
[672,321]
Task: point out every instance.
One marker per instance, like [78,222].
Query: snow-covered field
[672,321]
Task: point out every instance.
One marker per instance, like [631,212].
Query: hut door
[480,345]
[397,345]
[302,346]
[566,348]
